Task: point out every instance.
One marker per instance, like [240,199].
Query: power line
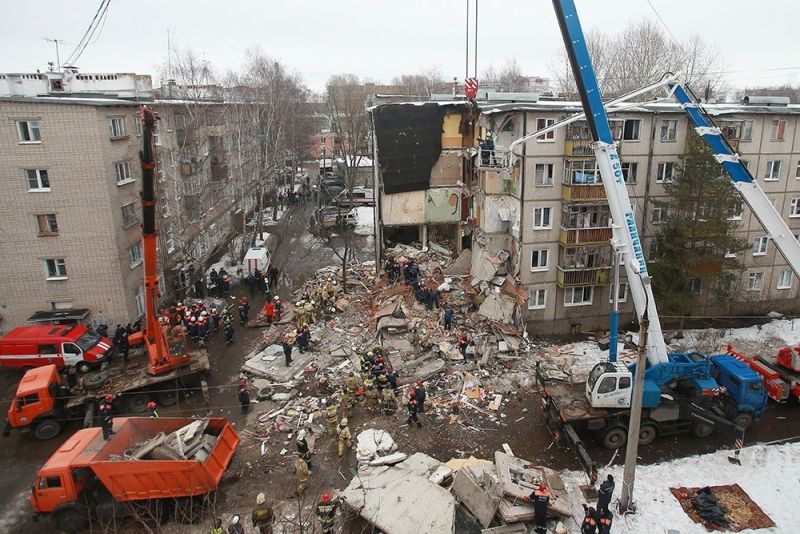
[663,23]
[99,16]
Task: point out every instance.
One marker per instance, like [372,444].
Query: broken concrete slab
[374,442]
[516,528]
[392,325]
[481,501]
[450,351]
[416,505]
[283,397]
[519,478]
[421,464]
[514,512]
[276,370]
[498,307]
[461,265]
[459,463]
[389,459]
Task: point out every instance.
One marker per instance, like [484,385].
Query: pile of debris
[189,442]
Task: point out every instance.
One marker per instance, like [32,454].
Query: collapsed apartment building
[538,219]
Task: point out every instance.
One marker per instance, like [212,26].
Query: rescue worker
[236,526]
[346,403]
[151,407]
[382,381]
[302,472]
[326,513]
[303,338]
[299,311]
[272,277]
[604,494]
[226,285]
[310,311]
[278,308]
[447,316]
[331,418]
[106,419]
[419,389]
[541,501]
[345,437]
[262,516]
[589,525]
[604,522]
[244,398]
[214,319]
[228,332]
[216,528]
[269,312]
[391,376]
[287,350]
[244,311]
[351,383]
[389,401]
[303,450]
[371,397]
[411,406]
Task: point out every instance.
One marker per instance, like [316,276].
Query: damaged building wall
[443,205]
[403,208]
[501,215]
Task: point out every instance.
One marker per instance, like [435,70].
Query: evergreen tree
[691,270]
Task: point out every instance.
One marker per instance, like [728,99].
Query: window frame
[777,130]
[125,165]
[545,166]
[549,225]
[59,270]
[781,277]
[536,292]
[631,165]
[135,255]
[549,137]
[794,207]
[39,175]
[29,130]
[662,214]
[736,216]
[571,290]
[139,299]
[757,245]
[661,168]
[665,123]
[771,170]
[112,129]
[747,131]
[695,286]
[755,279]
[638,129]
[539,254]
[127,223]
[47,224]
[624,298]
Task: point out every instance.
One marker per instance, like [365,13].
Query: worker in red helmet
[106,420]
[419,389]
[326,513]
[151,408]
[244,311]
[541,501]
[411,406]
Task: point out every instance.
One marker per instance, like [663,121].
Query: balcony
[495,160]
[585,236]
[576,148]
[582,193]
[598,276]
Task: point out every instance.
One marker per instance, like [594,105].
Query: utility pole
[632,448]
[58,57]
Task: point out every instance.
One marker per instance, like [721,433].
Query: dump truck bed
[130,479]
[134,376]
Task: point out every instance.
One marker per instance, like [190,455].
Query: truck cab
[609,386]
[748,398]
[36,404]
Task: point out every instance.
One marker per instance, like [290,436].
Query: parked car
[62,345]
[335,217]
[361,196]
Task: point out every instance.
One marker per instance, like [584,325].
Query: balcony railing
[493,159]
[598,276]
[578,148]
[582,193]
[584,236]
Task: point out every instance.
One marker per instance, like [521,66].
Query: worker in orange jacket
[541,502]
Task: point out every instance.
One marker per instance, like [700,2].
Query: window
[773,172]
[755,282]
[736,211]
[543,174]
[578,296]
[129,214]
[123,172]
[760,245]
[608,385]
[659,215]
[156,138]
[541,218]
[624,382]
[730,254]
[162,201]
[695,286]
[542,124]
[140,300]
[537,299]
[652,250]
[135,254]
[37,180]
[138,123]
[622,293]
[169,238]
[47,224]
[669,130]
[29,132]
[747,131]
[48,349]
[55,269]
[665,172]
[630,131]
[49,482]
[539,260]
[794,207]
[777,130]
[629,172]
[785,279]
[116,127]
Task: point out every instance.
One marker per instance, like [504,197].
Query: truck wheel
[167,398]
[743,419]
[46,429]
[615,437]
[94,381]
[137,403]
[83,367]
[702,430]
[70,519]
[647,433]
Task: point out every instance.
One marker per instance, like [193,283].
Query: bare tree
[508,78]
[639,55]
[421,84]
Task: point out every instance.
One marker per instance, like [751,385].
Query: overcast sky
[379,38]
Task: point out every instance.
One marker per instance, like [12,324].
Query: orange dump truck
[150,468]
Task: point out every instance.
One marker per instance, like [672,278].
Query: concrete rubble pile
[189,442]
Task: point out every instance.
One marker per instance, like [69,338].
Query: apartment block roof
[653,107]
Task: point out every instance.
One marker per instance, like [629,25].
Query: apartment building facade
[548,211]
[70,208]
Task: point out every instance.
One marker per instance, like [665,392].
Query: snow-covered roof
[72,100]
[662,107]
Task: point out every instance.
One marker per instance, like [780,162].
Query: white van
[256,258]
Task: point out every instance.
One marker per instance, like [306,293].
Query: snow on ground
[769,474]
[366,220]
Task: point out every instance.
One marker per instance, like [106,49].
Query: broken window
[630,131]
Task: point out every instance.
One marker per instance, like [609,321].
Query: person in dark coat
[411,406]
[448,317]
[198,288]
[124,346]
[604,523]
[541,502]
[420,395]
[605,493]
[272,277]
[106,419]
[391,376]
[589,525]
[287,351]
[244,398]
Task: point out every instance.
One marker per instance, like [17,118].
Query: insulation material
[409,142]
[451,131]
[403,208]
[447,170]
[443,205]
[502,213]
